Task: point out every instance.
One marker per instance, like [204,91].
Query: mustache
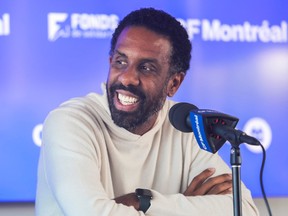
[134,90]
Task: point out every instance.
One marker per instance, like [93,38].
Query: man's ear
[174,83]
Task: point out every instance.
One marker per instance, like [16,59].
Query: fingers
[195,188]
[228,191]
[219,185]
[202,184]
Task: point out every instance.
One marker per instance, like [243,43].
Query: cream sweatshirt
[86,161]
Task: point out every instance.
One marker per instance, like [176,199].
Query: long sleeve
[178,204]
[69,172]
[222,205]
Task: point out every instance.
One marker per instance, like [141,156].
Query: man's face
[138,78]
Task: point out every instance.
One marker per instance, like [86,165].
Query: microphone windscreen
[179,116]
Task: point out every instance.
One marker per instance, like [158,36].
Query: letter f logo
[54,28]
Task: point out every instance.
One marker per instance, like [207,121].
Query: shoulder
[87,110]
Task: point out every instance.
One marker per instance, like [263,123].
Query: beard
[146,108]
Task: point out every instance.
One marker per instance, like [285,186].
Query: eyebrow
[148,60]
[120,53]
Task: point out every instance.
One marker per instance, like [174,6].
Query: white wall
[279,207]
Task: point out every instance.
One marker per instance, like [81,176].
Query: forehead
[142,41]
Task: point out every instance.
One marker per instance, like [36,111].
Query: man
[99,148]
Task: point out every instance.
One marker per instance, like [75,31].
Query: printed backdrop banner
[51,51]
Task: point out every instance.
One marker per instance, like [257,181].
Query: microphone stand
[235,161]
[235,138]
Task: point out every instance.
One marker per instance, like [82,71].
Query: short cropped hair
[162,23]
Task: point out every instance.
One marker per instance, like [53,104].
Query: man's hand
[203,185]
[129,200]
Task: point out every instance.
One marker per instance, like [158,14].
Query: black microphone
[211,128]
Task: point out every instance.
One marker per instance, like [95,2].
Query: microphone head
[179,114]
[206,124]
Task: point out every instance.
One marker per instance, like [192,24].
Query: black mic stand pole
[235,161]
[234,137]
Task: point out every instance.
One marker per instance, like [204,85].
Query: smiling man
[139,78]
[117,153]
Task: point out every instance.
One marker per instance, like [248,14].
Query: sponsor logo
[260,129]
[5,24]
[215,30]
[84,25]
[199,134]
[76,25]
[37,134]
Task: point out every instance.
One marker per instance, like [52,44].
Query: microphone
[211,128]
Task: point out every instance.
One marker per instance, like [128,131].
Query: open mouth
[127,100]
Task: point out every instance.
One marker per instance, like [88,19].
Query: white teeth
[126,100]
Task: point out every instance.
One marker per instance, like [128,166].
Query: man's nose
[129,76]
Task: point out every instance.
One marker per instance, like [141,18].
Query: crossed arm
[202,184]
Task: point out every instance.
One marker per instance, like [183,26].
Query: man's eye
[146,68]
[120,62]
[143,67]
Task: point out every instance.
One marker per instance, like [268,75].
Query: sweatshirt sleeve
[207,205]
[180,205]
[69,178]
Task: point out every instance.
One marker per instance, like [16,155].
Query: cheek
[111,77]
[156,90]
